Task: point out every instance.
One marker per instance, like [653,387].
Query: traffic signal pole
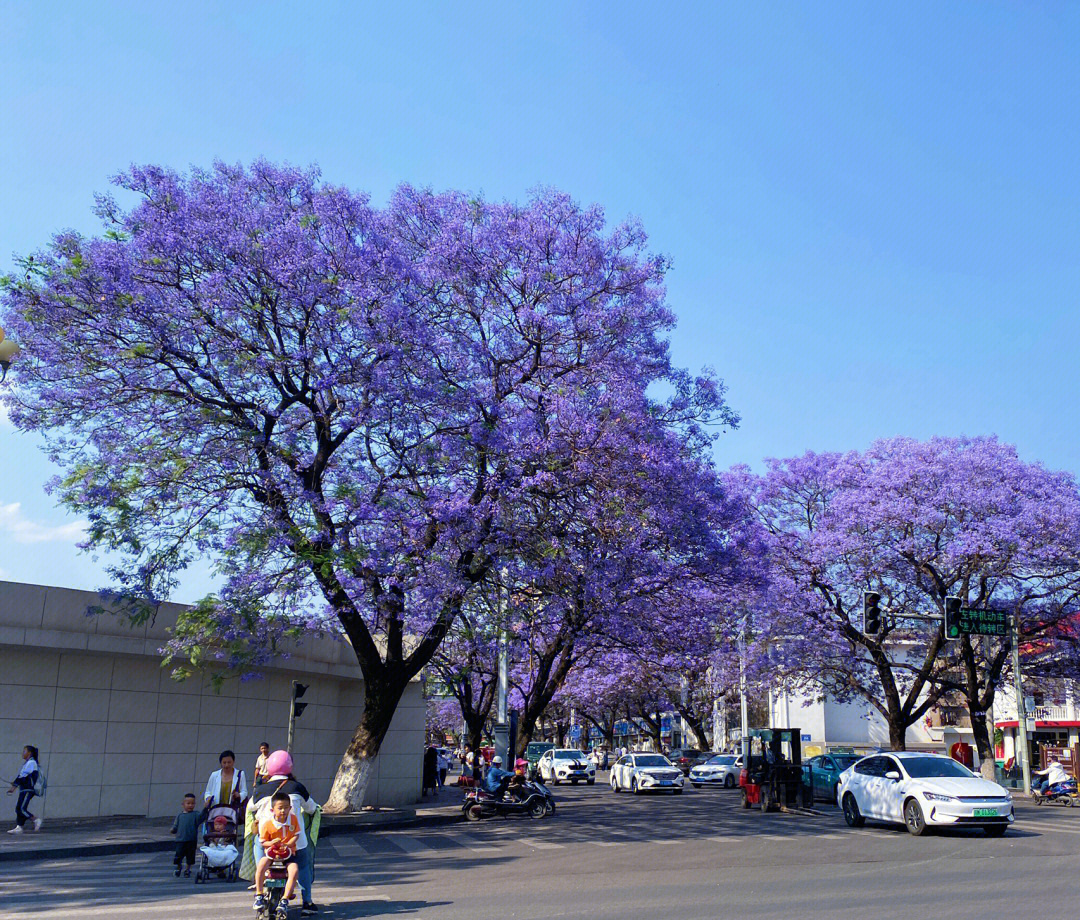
[1021,709]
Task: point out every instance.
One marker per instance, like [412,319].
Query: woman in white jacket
[227,785]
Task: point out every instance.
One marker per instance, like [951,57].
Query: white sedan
[922,791]
[644,773]
[721,770]
[566,765]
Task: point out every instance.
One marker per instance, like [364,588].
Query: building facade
[119,736]
[1054,716]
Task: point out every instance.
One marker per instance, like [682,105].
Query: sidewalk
[66,838]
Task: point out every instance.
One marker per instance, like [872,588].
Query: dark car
[687,758]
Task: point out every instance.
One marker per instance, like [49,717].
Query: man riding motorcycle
[498,781]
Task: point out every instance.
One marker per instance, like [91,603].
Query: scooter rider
[1055,773]
[497,778]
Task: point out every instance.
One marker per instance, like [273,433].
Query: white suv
[566,765]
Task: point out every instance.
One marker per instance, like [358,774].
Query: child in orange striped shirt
[278,835]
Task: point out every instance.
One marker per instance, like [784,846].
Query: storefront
[1053,733]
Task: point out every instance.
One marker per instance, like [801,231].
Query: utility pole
[1021,709]
[504,654]
[502,722]
[742,690]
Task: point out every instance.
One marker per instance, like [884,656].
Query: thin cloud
[23,530]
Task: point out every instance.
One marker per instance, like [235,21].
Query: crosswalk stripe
[476,844]
[410,844]
[1055,830]
[540,844]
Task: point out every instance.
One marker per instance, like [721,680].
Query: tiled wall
[119,736]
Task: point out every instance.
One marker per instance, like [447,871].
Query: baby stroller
[219,853]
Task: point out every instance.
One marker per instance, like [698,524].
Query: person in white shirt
[1055,773]
[227,785]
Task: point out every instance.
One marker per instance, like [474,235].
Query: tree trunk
[476,733]
[697,726]
[524,736]
[984,746]
[897,735]
[560,730]
[351,782]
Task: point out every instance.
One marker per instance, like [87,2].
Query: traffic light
[871,602]
[298,690]
[952,618]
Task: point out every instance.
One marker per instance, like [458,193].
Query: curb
[164,846]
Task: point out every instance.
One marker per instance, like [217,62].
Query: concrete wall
[119,736]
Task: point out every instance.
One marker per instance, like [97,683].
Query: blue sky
[872,210]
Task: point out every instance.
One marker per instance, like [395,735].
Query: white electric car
[922,791]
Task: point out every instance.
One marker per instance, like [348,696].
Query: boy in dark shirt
[186,828]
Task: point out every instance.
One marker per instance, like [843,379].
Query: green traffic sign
[981,622]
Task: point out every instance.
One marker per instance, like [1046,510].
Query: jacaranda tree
[916,521]
[340,405]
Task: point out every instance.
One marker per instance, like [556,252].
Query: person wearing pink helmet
[280,779]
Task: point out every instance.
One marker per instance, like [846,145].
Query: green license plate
[986,813]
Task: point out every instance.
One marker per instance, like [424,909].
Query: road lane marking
[665,843]
[610,843]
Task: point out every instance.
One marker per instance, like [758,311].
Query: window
[827,763]
[871,766]
[924,767]
[652,760]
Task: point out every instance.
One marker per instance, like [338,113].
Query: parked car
[721,770]
[534,750]
[922,791]
[646,773]
[686,758]
[825,773]
[566,765]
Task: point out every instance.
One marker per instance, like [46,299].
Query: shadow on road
[351,910]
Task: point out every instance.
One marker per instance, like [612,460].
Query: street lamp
[8,350]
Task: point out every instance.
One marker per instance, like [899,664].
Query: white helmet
[497,760]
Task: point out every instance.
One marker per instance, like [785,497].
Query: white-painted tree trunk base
[350,785]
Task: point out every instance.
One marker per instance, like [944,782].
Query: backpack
[42,784]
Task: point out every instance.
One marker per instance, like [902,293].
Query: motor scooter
[1058,794]
[534,800]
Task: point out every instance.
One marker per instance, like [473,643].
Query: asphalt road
[616,857]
